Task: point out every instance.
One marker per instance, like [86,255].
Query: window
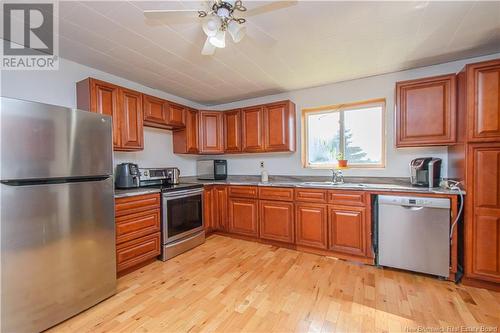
[355,130]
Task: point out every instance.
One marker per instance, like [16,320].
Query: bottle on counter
[264,176]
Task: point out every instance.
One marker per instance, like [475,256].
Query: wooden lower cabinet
[347,230]
[311,225]
[482,228]
[138,225]
[208,209]
[243,216]
[137,251]
[220,208]
[276,221]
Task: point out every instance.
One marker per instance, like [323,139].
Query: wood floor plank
[231,285]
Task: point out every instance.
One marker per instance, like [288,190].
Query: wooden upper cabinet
[252,129]
[186,139]
[276,221]
[101,97]
[426,111]
[347,230]
[482,231]
[243,216]
[124,105]
[155,114]
[311,225]
[232,131]
[175,115]
[132,120]
[211,132]
[279,126]
[483,101]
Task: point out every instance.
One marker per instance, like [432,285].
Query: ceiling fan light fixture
[219,40]
[236,30]
[211,26]
[208,48]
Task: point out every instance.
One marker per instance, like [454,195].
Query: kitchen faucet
[337,176]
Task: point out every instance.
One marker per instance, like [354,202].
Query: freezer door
[57,252]
[42,141]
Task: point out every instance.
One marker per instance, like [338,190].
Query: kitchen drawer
[136,203]
[347,198]
[136,251]
[276,193]
[243,191]
[137,225]
[310,195]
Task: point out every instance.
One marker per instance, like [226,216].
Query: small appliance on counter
[159,176]
[425,172]
[211,169]
[127,175]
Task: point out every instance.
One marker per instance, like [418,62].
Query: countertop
[373,184]
[120,193]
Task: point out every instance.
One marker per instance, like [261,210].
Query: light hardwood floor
[230,285]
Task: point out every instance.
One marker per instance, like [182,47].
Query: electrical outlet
[261,164]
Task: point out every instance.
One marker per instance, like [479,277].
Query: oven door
[182,214]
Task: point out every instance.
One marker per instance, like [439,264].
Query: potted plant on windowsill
[342,163]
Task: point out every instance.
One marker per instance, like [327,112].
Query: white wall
[58,87]
[380,86]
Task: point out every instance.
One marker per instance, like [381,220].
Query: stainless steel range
[182,211]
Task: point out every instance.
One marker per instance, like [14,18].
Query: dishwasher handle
[412,208]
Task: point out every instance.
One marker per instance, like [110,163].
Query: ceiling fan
[222,17]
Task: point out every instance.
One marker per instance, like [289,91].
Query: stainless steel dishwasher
[413,234]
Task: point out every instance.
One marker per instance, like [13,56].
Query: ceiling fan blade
[168,11]
[277,5]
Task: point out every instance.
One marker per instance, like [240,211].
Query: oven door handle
[181,194]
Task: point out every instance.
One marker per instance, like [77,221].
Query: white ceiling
[298,45]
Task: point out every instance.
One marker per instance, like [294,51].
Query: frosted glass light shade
[236,30]
[219,40]
[211,26]
[208,48]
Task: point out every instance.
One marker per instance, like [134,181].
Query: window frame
[337,108]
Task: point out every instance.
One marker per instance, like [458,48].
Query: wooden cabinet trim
[243,191]
[134,252]
[136,225]
[136,203]
[310,195]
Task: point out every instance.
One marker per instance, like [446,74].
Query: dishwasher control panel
[415,201]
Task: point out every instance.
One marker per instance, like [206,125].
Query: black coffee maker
[127,175]
[425,171]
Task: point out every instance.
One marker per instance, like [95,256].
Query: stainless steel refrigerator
[57,214]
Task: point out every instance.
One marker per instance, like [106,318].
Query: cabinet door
[243,216]
[346,230]
[175,115]
[211,132]
[279,125]
[482,235]
[220,199]
[311,225]
[208,209]
[132,121]
[483,101]
[251,129]
[426,111]
[137,251]
[104,100]
[232,131]
[276,221]
[191,131]
[154,111]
